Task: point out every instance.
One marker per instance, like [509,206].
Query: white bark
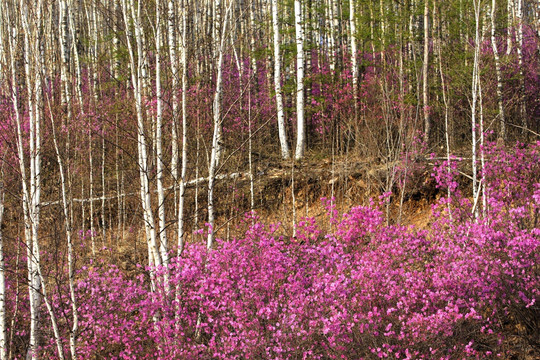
[163,246]
[522,106]
[137,65]
[216,138]
[69,236]
[332,36]
[300,120]
[181,239]
[285,151]
[31,193]
[502,133]
[3,339]
[354,60]
[173,59]
[474,91]
[510,25]
[427,121]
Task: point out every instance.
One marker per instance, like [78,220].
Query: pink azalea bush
[365,290]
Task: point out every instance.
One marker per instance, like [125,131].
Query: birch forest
[269,179]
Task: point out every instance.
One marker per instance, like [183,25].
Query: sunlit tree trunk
[425,67]
[163,246]
[285,151]
[474,93]
[3,339]
[354,61]
[173,60]
[133,14]
[509,25]
[300,120]
[522,99]
[181,231]
[217,137]
[502,124]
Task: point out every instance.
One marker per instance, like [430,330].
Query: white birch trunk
[137,65]
[285,151]
[474,91]
[216,138]
[163,246]
[3,339]
[522,100]
[354,60]
[69,236]
[510,25]
[502,126]
[32,193]
[173,59]
[300,120]
[427,121]
[181,239]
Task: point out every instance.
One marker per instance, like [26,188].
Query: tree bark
[502,124]
[425,67]
[285,151]
[300,120]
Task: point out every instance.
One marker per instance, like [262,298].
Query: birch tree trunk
[502,124]
[3,339]
[163,246]
[522,99]
[69,236]
[173,60]
[216,138]
[300,120]
[510,25]
[137,65]
[354,62]
[425,103]
[31,193]
[181,239]
[285,151]
[474,91]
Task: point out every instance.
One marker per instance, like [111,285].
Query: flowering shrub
[367,290]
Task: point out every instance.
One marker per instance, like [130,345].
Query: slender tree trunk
[502,124]
[474,91]
[300,120]
[522,95]
[173,59]
[181,231]
[217,138]
[354,64]
[31,194]
[438,45]
[285,151]
[137,65]
[163,246]
[3,333]
[510,26]
[425,67]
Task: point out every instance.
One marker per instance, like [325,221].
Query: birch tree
[31,185]
[522,105]
[285,151]
[502,124]
[3,338]
[133,14]
[300,120]
[474,103]
[425,64]
[181,240]
[163,247]
[354,61]
[217,135]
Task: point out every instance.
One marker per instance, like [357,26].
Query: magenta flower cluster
[364,290]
